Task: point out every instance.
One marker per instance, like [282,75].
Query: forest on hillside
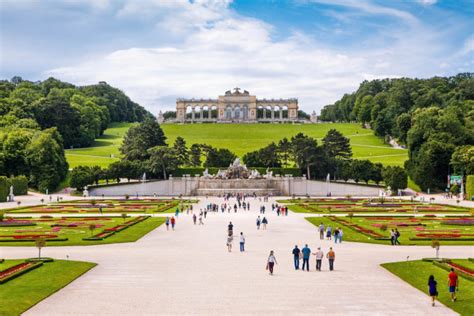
[433,118]
[39,119]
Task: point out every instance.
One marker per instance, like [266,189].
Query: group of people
[453,286]
[262,222]
[394,236]
[329,233]
[283,210]
[169,221]
[305,253]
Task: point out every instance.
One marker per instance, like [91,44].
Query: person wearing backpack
[296,257]
[331,255]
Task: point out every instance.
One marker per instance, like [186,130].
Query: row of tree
[433,117]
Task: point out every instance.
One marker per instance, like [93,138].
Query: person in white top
[242,242]
[319,258]
[230,239]
[271,262]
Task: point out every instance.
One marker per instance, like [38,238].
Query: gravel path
[189,271]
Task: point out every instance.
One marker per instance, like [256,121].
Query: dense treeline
[432,117]
[39,119]
[145,151]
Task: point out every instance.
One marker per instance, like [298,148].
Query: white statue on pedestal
[160,118]
[269,174]
[11,196]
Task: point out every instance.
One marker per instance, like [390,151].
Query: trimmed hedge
[4,188]
[470,187]
[20,185]
[295,172]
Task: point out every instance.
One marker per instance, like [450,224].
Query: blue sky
[158,50]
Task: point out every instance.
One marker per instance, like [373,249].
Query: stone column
[273,114]
[264,113]
[200,114]
[281,114]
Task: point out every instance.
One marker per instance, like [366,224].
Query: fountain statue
[11,196]
[269,174]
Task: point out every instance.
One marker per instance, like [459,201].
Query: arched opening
[245,112]
[285,112]
[213,114]
[188,114]
[205,114]
[268,112]
[237,113]
[259,112]
[228,112]
[277,112]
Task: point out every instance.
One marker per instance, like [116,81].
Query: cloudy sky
[158,50]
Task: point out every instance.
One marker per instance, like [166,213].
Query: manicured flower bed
[17,270]
[461,222]
[358,228]
[106,233]
[15,223]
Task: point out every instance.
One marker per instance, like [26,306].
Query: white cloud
[427,2]
[220,50]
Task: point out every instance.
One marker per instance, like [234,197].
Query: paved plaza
[190,271]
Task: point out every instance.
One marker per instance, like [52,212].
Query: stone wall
[286,186]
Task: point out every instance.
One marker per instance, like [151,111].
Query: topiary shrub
[20,185]
[4,188]
[470,187]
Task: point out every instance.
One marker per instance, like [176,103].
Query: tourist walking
[340,235]
[319,258]
[176,212]
[258,222]
[167,222]
[432,289]
[453,283]
[264,223]
[396,236]
[331,255]
[321,231]
[336,235]
[271,261]
[230,229]
[200,220]
[230,239]
[306,253]
[392,237]
[242,242]
[173,222]
[296,257]
[328,232]
[194,218]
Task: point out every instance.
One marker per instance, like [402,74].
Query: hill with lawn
[240,138]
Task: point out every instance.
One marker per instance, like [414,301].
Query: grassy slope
[416,273]
[23,292]
[130,234]
[240,138]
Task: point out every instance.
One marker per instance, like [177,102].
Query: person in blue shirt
[296,257]
[306,253]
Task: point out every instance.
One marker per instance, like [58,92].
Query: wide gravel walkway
[190,271]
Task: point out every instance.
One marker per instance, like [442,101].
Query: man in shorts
[453,283]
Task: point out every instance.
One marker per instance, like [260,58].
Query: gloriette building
[236,106]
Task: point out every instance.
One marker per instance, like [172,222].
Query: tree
[182,153]
[395,177]
[361,170]
[305,151]
[462,160]
[140,138]
[336,145]
[376,173]
[162,160]
[264,157]
[195,155]
[284,150]
[81,176]
[219,157]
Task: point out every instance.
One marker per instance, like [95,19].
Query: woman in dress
[271,262]
[432,289]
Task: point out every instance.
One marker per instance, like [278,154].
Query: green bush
[20,185]
[470,187]
[4,188]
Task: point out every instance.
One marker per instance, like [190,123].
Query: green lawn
[406,232]
[76,234]
[416,273]
[21,293]
[240,138]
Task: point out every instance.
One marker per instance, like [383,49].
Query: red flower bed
[461,268]
[18,269]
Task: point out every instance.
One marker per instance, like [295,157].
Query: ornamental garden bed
[370,206]
[65,231]
[413,230]
[17,270]
[105,206]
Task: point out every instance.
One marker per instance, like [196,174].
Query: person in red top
[453,282]
[173,222]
